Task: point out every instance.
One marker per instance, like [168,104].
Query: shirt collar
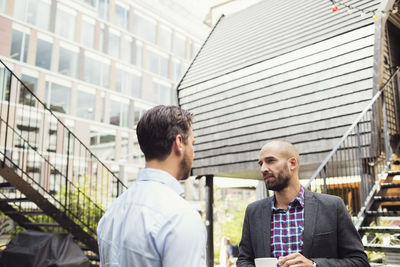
[160,176]
[299,200]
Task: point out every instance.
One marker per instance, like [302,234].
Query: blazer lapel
[310,219]
[266,217]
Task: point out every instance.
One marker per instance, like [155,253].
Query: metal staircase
[380,221]
[363,171]
[49,180]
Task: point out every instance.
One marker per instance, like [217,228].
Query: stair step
[6,185]
[390,185]
[84,248]
[93,257]
[375,247]
[393,173]
[383,213]
[43,224]
[27,213]
[384,198]
[380,229]
[22,199]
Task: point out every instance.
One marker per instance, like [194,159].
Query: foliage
[228,217]
[7,227]
[381,239]
[81,203]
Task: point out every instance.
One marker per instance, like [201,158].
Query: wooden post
[209,220]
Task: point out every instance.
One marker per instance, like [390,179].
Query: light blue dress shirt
[150,224]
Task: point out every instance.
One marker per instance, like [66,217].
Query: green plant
[381,239]
[228,217]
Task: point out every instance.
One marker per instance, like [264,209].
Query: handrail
[351,128]
[58,119]
[45,152]
[50,164]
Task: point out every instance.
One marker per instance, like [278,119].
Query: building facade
[99,64]
[268,72]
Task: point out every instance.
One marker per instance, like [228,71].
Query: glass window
[113,44]
[102,8]
[97,138]
[87,33]
[157,63]
[43,53]
[126,53]
[90,2]
[35,12]
[165,38]
[26,97]
[121,16]
[124,115]
[3,4]
[101,74]
[119,113]
[101,39]
[177,69]
[138,54]
[144,27]
[179,46]
[102,143]
[65,22]
[115,112]
[58,97]
[68,62]
[20,7]
[42,18]
[124,147]
[138,112]
[19,45]
[162,93]
[5,82]
[85,105]
[128,83]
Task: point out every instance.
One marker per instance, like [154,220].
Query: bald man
[298,227]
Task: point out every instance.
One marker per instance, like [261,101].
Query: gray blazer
[330,238]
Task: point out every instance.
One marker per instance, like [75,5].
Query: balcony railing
[353,166]
[43,151]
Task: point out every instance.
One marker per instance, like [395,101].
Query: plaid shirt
[287,227]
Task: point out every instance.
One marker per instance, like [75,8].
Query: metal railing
[43,151]
[353,166]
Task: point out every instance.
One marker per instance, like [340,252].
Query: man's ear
[293,163]
[178,144]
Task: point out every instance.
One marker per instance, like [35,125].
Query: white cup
[266,262]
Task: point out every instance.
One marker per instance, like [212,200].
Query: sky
[196,11]
[201,8]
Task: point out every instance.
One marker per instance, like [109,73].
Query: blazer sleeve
[246,254]
[350,248]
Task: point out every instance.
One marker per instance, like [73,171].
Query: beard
[280,182]
[185,167]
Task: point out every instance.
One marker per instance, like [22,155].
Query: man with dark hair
[150,224]
[299,227]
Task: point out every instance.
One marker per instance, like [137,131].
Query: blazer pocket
[325,245]
[325,235]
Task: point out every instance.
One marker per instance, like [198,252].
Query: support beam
[209,219]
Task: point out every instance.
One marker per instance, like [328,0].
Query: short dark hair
[158,128]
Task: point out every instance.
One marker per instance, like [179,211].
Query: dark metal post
[385,132]
[362,180]
[323,172]
[8,117]
[66,173]
[209,220]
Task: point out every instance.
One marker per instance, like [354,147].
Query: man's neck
[164,165]
[287,195]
